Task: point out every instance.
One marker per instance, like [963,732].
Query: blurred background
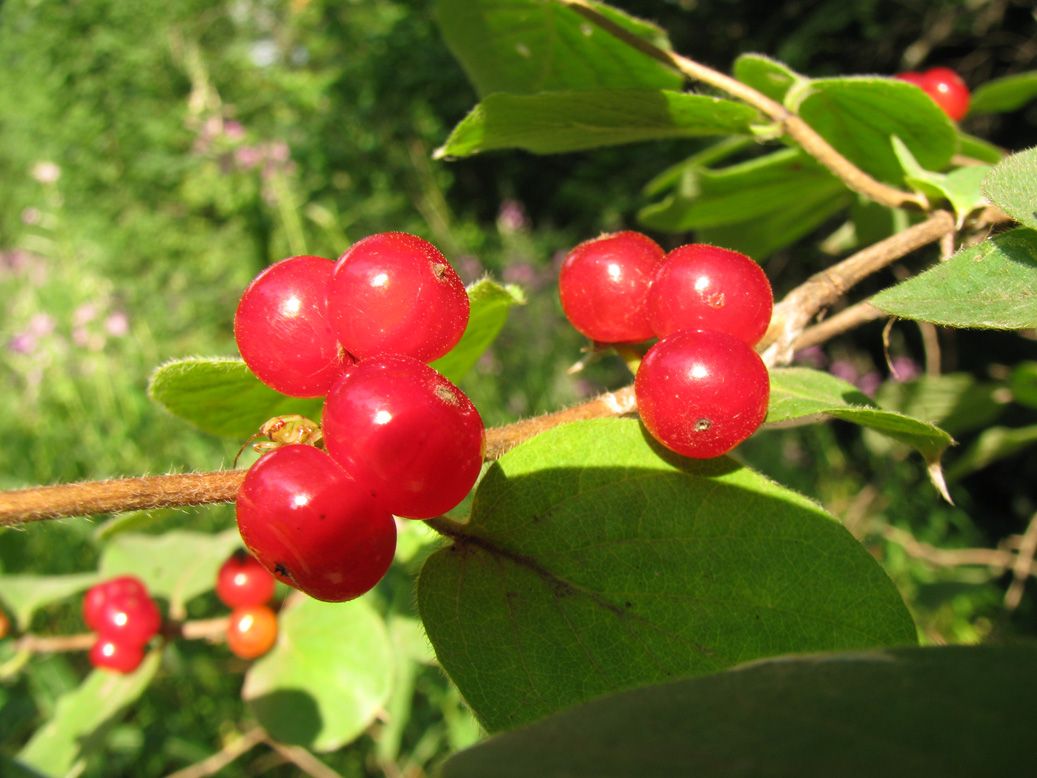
[155,156]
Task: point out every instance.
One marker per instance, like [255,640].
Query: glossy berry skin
[396,293]
[706,287]
[947,89]
[111,654]
[603,285]
[129,618]
[242,581]
[702,392]
[408,435]
[98,595]
[251,631]
[312,526]
[282,328]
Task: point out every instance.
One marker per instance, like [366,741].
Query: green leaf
[1023,383]
[222,396]
[11,769]
[977,148]
[595,561]
[766,75]
[993,444]
[528,46]
[955,402]
[1001,95]
[176,565]
[490,304]
[989,286]
[23,595]
[326,678]
[1012,185]
[860,115]
[755,207]
[798,392]
[83,717]
[955,712]
[556,122]
[960,187]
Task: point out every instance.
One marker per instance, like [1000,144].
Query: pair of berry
[400,439]
[947,89]
[246,587]
[701,389]
[125,617]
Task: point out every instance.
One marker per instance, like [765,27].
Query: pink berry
[313,526]
[396,293]
[705,287]
[110,654]
[702,392]
[408,435]
[282,328]
[604,284]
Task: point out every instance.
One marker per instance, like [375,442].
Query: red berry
[409,436]
[604,284]
[111,654]
[5,624]
[396,293]
[702,392]
[242,582]
[705,287]
[251,631]
[312,526]
[98,595]
[945,87]
[282,329]
[129,618]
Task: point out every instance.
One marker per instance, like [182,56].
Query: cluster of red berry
[399,438]
[947,89]
[125,619]
[701,389]
[245,586]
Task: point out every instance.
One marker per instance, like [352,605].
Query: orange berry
[251,631]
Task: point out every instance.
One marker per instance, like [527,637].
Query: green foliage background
[155,156]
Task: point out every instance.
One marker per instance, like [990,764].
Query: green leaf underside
[955,402]
[1012,185]
[993,443]
[557,122]
[527,46]
[83,716]
[1008,93]
[989,286]
[766,75]
[859,116]
[755,207]
[797,392]
[23,595]
[327,677]
[960,187]
[221,396]
[177,565]
[596,561]
[955,712]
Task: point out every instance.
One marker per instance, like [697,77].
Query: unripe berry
[251,631]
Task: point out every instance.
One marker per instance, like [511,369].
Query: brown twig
[801,132]
[1023,567]
[822,289]
[844,321]
[303,759]
[233,749]
[199,629]
[998,559]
